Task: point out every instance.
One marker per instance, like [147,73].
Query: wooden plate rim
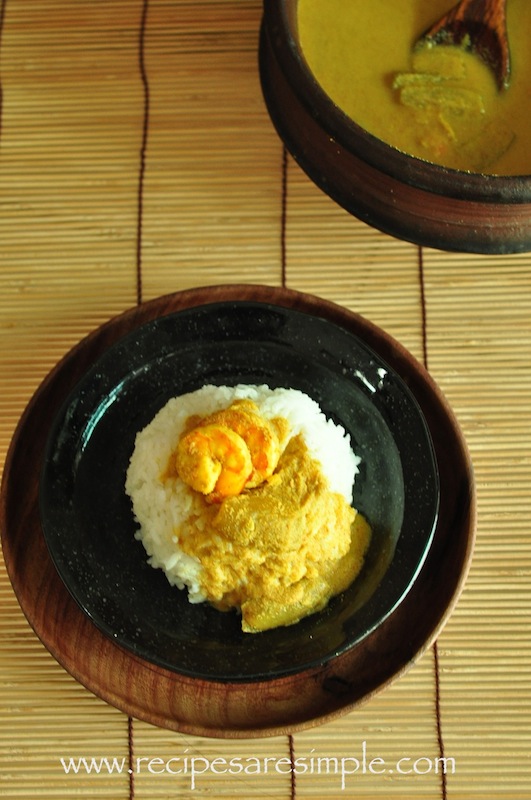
[211,708]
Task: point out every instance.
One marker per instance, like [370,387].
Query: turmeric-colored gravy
[440,104]
[279,551]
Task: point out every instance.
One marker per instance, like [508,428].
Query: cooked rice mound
[302,549]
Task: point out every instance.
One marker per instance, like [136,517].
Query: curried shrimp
[260,435]
[214,460]
[229,450]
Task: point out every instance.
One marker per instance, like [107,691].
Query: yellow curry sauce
[279,550]
[441,104]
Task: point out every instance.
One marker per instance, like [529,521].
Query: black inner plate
[87,518]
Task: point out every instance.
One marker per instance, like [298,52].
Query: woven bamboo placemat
[136,159]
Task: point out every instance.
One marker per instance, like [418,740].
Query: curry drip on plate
[282,544]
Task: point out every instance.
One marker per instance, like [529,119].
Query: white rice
[161,507]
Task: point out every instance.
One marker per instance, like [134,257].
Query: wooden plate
[220,708]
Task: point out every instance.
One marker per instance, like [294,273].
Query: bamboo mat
[136,159]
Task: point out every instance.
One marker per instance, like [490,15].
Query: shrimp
[214,460]
[260,435]
[228,451]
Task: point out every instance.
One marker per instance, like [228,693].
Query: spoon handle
[490,13]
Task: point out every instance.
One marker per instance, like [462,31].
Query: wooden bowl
[212,706]
[401,195]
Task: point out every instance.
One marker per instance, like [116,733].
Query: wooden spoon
[479,26]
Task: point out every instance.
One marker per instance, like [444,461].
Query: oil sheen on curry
[441,103]
[265,531]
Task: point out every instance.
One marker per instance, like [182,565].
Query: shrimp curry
[269,518]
